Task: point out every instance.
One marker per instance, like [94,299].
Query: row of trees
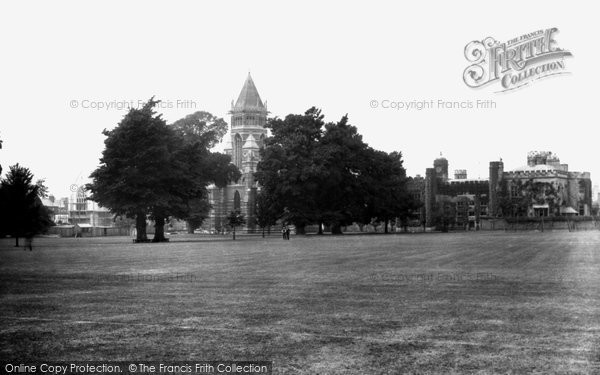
[151,169]
[312,172]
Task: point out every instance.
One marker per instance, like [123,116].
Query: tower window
[237,150]
[237,202]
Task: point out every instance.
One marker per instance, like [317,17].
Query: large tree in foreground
[325,174]
[22,213]
[134,166]
[288,171]
[343,166]
[150,169]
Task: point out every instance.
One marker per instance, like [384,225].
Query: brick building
[543,187]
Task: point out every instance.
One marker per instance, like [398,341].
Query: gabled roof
[249,98]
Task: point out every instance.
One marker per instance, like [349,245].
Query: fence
[541,224]
[70,231]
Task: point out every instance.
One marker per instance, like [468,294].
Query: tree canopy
[23,214]
[235,219]
[151,169]
[324,173]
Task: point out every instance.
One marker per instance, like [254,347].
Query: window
[581,189]
[514,191]
[237,150]
[236,201]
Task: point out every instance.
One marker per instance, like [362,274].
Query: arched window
[81,200]
[237,202]
[237,150]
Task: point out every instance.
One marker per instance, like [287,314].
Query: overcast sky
[60,57]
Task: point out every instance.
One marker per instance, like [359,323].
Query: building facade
[543,187]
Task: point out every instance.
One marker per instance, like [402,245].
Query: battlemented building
[543,187]
[553,190]
[248,118]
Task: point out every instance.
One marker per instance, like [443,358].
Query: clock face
[438,169]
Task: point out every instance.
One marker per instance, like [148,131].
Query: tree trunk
[385,226]
[140,227]
[234,233]
[16,241]
[159,230]
[300,229]
[190,227]
[336,229]
[320,228]
[263,232]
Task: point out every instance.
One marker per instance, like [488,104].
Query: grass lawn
[374,304]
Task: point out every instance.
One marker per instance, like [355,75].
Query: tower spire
[249,99]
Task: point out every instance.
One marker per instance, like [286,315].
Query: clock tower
[247,130]
[441,168]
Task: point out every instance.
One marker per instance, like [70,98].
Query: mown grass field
[373,304]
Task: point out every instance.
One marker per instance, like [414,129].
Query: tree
[199,132]
[288,172]
[198,211]
[201,127]
[385,186]
[444,213]
[266,211]
[325,174]
[0,164]
[151,170]
[234,219]
[135,173]
[23,214]
[341,159]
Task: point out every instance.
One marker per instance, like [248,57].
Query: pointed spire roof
[249,98]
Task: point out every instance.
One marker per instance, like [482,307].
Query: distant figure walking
[284,231]
[28,242]
[287,233]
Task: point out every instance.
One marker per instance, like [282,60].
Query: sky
[69,68]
